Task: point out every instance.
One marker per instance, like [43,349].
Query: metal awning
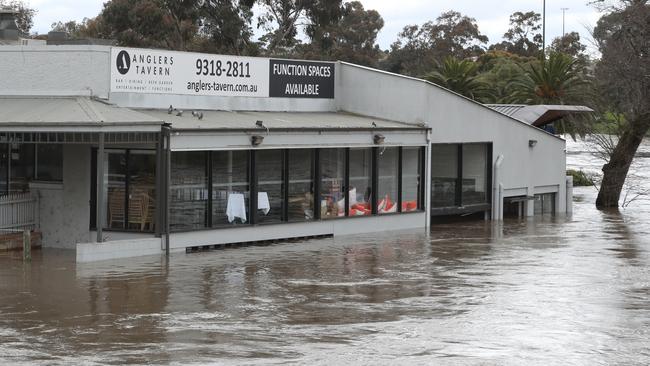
[225,121]
[538,115]
[76,115]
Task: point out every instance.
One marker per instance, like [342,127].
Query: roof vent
[8,28]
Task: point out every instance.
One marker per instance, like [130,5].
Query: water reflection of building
[221,149]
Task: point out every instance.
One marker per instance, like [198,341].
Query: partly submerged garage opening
[461,181]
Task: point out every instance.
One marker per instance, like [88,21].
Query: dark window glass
[545,204]
[270,186]
[142,189]
[4,168]
[115,188]
[230,188]
[332,169]
[301,185]
[49,162]
[387,180]
[444,175]
[411,170]
[360,182]
[475,173]
[22,159]
[189,190]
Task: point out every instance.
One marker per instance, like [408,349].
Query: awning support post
[100,188]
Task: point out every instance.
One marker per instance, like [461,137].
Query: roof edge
[451,92]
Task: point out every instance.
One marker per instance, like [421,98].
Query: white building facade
[137,151]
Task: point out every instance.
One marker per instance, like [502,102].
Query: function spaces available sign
[146,71]
[301,79]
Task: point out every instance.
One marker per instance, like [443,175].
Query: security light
[532,143]
[257,140]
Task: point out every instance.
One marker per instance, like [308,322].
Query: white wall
[76,194]
[54,70]
[456,119]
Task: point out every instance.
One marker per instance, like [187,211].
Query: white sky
[492,16]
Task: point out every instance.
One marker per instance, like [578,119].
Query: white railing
[18,212]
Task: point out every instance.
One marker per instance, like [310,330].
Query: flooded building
[125,152]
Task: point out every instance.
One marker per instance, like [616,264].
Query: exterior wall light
[532,143]
[379,139]
[257,140]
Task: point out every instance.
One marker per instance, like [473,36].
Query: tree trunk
[615,171]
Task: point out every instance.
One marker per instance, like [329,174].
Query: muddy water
[556,291]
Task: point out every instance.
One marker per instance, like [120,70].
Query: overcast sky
[491,15]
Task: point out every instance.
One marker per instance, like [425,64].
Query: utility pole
[563,13]
[544,30]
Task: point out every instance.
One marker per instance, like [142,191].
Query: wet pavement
[570,291]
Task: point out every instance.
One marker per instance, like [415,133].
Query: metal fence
[18,212]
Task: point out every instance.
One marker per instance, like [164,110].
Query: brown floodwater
[570,291]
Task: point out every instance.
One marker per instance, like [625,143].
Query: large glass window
[4,168]
[387,180]
[475,173]
[444,175]
[115,189]
[332,169]
[22,162]
[270,186]
[411,180]
[189,190]
[129,189]
[230,188]
[360,190]
[301,185]
[544,204]
[142,189]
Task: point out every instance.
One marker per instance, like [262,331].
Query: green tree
[419,49]
[226,27]
[498,70]
[24,14]
[623,76]
[280,21]
[523,38]
[351,38]
[570,44]
[460,76]
[87,28]
[150,23]
[556,81]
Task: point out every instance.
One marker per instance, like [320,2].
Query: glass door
[115,189]
[141,186]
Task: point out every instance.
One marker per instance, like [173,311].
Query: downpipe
[497,191]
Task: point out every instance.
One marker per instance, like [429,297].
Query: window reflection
[301,185]
[387,171]
[230,188]
[474,174]
[270,187]
[360,190]
[411,168]
[115,188]
[444,175]
[332,168]
[142,190]
[189,190]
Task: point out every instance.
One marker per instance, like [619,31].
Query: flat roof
[73,114]
[245,121]
[538,115]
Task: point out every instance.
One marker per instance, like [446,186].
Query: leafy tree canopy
[24,14]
